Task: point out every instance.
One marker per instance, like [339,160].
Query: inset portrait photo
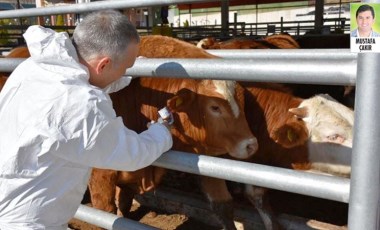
[365,27]
[364,22]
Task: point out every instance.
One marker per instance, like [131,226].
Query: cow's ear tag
[178,102]
[174,103]
[181,101]
[290,135]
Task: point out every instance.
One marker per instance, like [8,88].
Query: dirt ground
[330,212]
[155,218]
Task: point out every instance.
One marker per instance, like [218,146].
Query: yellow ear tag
[290,135]
[178,102]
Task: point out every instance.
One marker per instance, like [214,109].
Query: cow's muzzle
[246,148]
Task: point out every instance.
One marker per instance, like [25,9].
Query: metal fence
[294,28]
[362,191]
[12,34]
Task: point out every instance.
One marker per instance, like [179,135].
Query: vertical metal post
[235,24]
[224,10]
[179,17]
[298,29]
[340,8]
[257,15]
[79,17]
[20,41]
[318,23]
[365,176]
[146,14]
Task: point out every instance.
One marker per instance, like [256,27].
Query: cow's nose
[252,146]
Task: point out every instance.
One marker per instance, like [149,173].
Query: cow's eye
[336,138]
[333,137]
[215,109]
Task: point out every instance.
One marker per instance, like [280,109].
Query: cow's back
[19,52]
[157,46]
[282,41]
[278,41]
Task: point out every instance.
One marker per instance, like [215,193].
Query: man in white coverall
[57,121]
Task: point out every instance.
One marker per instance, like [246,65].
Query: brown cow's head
[210,116]
[208,113]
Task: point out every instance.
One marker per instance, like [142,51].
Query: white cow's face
[330,127]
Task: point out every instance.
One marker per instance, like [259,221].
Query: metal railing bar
[9,64]
[333,72]
[108,220]
[297,70]
[324,54]
[89,7]
[322,186]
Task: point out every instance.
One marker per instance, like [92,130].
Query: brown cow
[279,41]
[208,120]
[344,94]
[305,134]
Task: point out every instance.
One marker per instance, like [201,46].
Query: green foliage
[3,32]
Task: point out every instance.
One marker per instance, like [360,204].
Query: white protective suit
[55,127]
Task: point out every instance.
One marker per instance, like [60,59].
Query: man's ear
[103,63]
[290,135]
[181,101]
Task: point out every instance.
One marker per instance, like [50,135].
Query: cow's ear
[300,112]
[290,135]
[181,101]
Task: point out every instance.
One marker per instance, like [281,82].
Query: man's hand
[165,123]
[166,118]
